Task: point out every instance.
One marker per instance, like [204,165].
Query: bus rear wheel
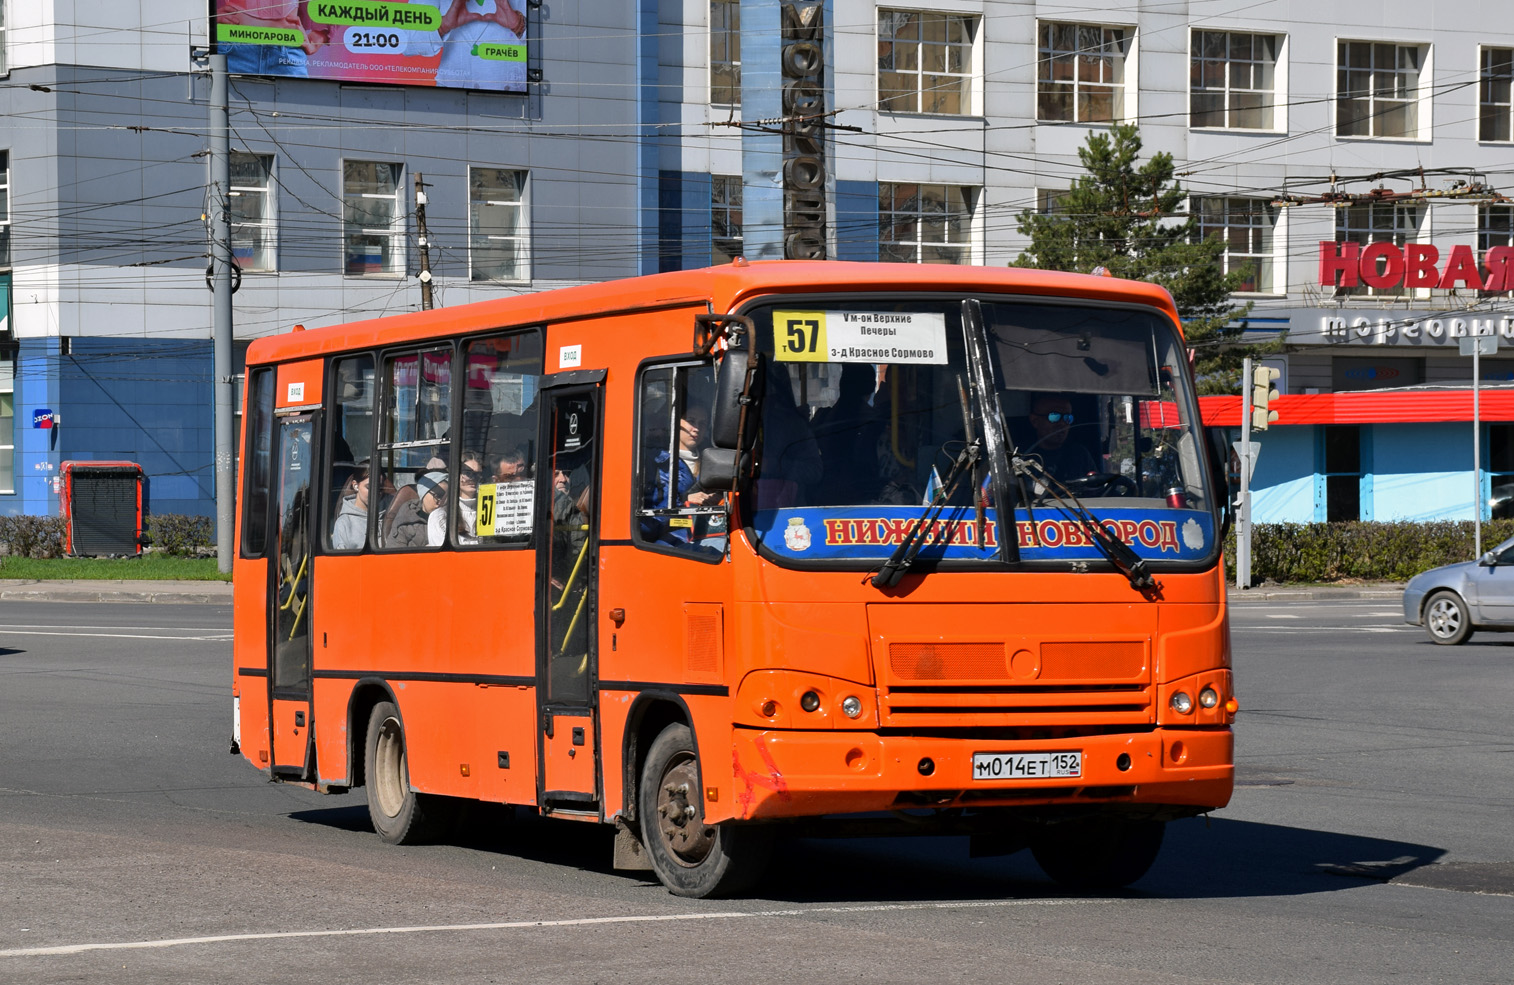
[690,857]
[399,814]
[1097,854]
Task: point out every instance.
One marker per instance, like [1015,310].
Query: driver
[1051,418]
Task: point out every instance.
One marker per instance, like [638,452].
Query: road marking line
[26,952]
[1282,615]
[110,636]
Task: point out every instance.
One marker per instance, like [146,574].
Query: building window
[374,218]
[1377,222]
[7,422]
[1342,453]
[252,215]
[1501,470]
[1246,226]
[1080,75]
[1494,101]
[1495,227]
[725,218]
[5,204]
[925,62]
[497,227]
[1232,80]
[1377,89]
[925,223]
[725,53]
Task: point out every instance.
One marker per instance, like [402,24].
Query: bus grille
[983,684]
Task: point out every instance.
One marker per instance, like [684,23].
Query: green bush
[32,536]
[1327,552]
[179,535]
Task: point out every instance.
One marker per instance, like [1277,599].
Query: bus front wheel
[400,815]
[1105,853]
[690,857]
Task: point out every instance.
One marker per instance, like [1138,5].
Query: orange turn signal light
[1232,706]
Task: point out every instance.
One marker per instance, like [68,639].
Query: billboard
[454,44]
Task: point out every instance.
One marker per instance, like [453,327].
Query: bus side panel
[460,620]
[250,653]
[332,699]
[505,760]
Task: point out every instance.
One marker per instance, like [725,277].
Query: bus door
[289,615]
[567,526]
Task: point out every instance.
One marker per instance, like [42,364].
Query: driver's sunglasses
[1057,417]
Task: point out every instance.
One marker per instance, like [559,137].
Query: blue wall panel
[143,401]
[1282,486]
[1422,471]
[857,220]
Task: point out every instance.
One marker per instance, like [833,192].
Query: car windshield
[867,406]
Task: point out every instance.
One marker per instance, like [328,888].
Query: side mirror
[733,418]
[1488,560]
[719,468]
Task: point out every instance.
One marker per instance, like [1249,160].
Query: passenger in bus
[467,505]
[1051,418]
[350,530]
[683,473]
[571,502]
[512,466]
[409,528]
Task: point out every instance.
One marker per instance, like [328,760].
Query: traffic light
[1263,392]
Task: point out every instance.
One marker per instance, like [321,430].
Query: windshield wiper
[1126,561]
[909,547]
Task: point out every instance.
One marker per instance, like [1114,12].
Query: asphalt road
[1369,840]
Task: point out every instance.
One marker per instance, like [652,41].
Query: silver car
[1452,600]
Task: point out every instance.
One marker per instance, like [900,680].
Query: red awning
[1368,407]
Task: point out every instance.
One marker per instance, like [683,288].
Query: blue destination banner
[872,532]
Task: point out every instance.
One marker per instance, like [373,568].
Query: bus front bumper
[784,774]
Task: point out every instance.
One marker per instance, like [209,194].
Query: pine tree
[1130,219]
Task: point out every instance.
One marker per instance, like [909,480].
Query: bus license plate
[1027,765]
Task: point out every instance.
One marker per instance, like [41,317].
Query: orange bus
[717,555]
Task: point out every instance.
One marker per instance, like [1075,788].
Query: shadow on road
[1200,860]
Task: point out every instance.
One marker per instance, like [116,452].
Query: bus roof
[724,288]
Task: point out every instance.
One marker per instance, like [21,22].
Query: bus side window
[673,511]
[259,463]
[351,492]
[499,427]
[411,457]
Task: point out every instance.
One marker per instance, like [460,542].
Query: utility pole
[219,220]
[425,242]
[1243,502]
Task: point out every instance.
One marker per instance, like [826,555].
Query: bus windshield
[868,405]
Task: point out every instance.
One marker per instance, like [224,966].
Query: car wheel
[1447,618]
[692,858]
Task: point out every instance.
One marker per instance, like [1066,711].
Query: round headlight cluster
[1182,703]
[1209,697]
[852,706]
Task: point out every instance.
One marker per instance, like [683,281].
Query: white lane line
[139,629]
[27,952]
[109,636]
[1282,615]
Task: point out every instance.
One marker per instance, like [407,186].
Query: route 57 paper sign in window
[860,337]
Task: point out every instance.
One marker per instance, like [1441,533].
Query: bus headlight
[1209,697]
[851,705]
[1182,703]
